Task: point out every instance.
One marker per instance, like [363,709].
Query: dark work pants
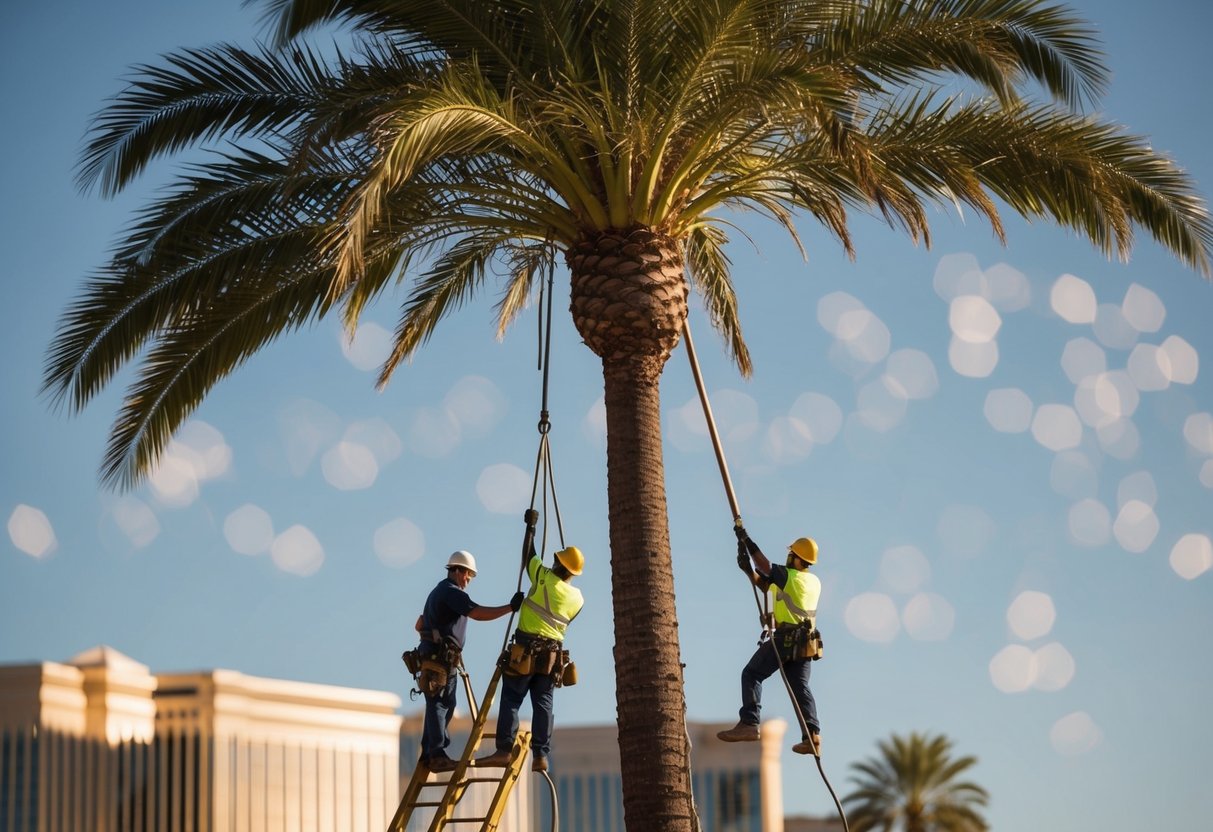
[762,665]
[513,690]
[439,710]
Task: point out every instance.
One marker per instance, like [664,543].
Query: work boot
[539,764]
[741,732]
[497,758]
[440,763]
[810,746]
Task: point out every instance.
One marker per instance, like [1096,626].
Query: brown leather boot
[539,764]
[810,746]
[741,732]
[497,758]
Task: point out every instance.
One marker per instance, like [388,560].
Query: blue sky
[1006,455]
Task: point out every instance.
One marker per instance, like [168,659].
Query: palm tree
[913,787]
[457,136]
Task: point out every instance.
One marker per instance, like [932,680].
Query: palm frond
[709,268]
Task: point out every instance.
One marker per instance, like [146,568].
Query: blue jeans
[513,690]
[760,667]
[439,710]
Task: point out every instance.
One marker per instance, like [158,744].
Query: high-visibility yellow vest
[796,602]
[550,604]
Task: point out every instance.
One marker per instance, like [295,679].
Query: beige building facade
[101,743]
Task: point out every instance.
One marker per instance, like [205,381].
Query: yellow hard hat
[571,559]
[805,548]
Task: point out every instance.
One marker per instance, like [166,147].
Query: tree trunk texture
[629,300]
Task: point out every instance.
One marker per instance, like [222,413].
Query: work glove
[740,531]
[743,558]
[516,601]
[531,516]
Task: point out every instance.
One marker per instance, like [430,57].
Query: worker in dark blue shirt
[442,626]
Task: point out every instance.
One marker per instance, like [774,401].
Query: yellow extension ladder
[464,776]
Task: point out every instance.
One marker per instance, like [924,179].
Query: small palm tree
[458,137]
[913,786]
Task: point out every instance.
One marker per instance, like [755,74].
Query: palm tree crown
[914,786]
[455,137]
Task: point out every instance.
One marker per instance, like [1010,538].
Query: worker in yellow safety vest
[796,593]
[537,662]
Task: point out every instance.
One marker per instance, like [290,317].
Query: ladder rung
[483,780]
[428,803]
[468,820]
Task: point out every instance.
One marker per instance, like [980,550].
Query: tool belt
[529,655]
[797,642]
[432,670]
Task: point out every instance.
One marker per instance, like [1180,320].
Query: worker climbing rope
[536,662]
[797,641]
[798,602]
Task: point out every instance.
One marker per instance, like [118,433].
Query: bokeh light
[959,274]
[504,489]
[973,360]
[1082,357]
[249,530]
[787,440]
[965,530]
[398,543]
[306,426]
[31,531]
[904,569]
[1198,431]
[872,616]
[1137,486]
[1008,410]
[1111,328]
[476,403]
[369,348]
[1009,289]
[865,336]
[1136,526]
[929,617]
[1192,556]
[173,481]
[348,466]
[1073,475]
[1182,360]
[1119,439]
[833,307]
[1089,523]
[973,319]
[1074,734]
[880,407]
[593,424]
[377,436]
[1013,668]
[1031,615]
[1143,309]
[297,551]
[1054,667]
[433,432]
[1149,368]
[911,374]
[820,414]
[136,520]
[1057,427]
[1073,299]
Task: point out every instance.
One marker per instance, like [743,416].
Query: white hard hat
[464,559]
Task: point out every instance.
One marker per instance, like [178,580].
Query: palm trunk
[629,303]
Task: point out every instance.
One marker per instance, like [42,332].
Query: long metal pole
[711,420]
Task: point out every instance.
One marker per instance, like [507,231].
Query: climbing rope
[764,615]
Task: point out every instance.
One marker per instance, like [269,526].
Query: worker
[537,660]
[796,593]
[442,626]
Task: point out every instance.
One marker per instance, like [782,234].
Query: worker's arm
[493,613]
[760,560]
[528,542]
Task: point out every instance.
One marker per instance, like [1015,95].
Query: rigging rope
[764,615]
